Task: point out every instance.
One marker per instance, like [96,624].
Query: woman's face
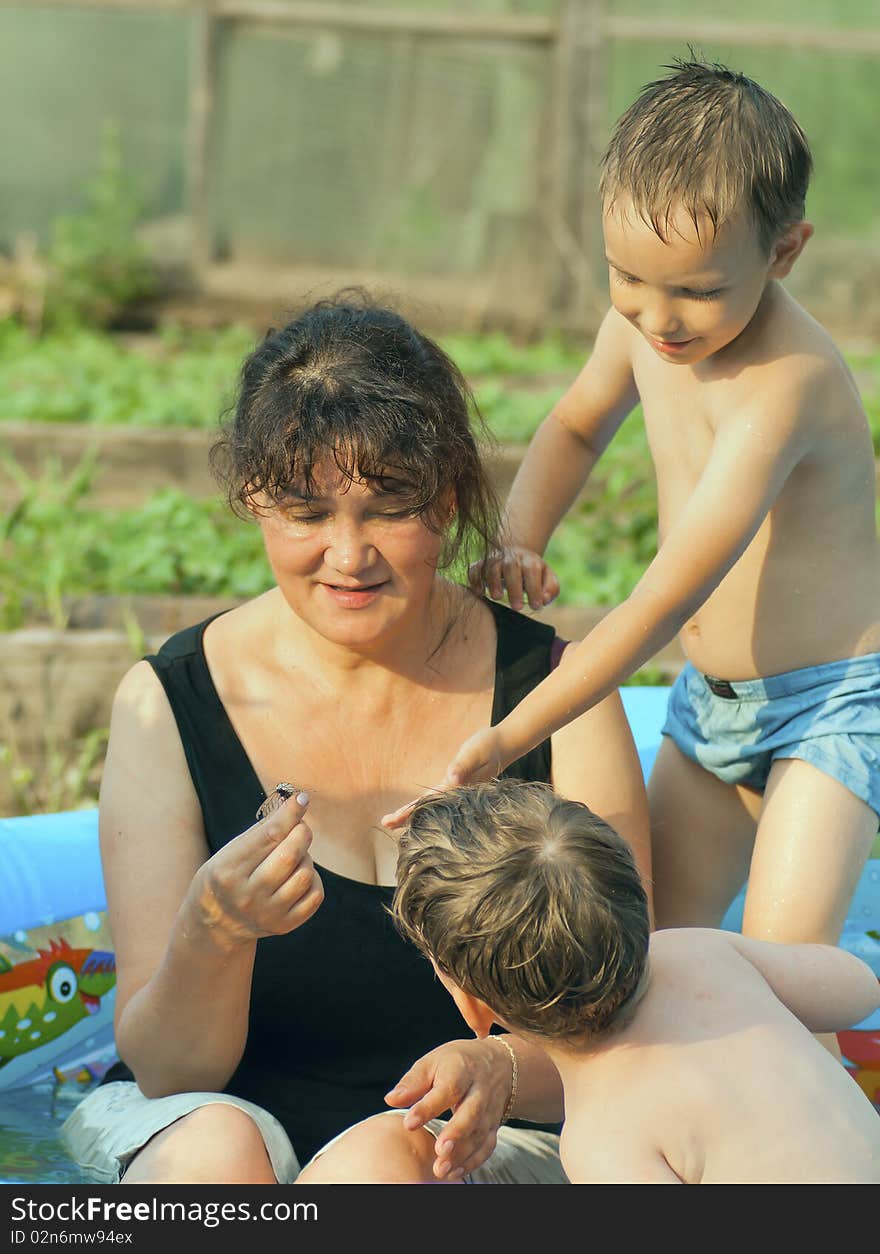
[352,562]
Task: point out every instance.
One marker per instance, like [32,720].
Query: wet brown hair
[352,380]
[709,140]
[528,901]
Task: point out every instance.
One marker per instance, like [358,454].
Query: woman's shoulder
[225,625]
[525,647]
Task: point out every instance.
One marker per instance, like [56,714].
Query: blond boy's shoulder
[793,378]
[795,349]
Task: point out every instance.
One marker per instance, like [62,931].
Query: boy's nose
[660,328]
[659,320]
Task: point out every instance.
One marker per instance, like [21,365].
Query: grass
[184,380]
[57,544]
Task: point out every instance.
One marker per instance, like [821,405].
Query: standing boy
[768,566]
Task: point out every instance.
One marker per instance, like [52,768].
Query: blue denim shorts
[828,715]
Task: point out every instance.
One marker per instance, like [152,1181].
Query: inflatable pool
[57,968]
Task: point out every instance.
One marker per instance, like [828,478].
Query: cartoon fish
[43,998]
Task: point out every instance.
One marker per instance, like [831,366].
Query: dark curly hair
[352,380]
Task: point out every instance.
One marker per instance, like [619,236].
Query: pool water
[30,1117]
[31,1114]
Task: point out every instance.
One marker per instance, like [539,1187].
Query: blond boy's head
[711,142]
[528,902]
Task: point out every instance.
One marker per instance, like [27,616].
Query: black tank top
[343,1006]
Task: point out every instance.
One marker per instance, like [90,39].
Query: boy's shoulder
[685,962]
[689,945]
[789,348]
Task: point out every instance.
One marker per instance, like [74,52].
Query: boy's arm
[557,462]
[827,988]
[750,461]
[571,439]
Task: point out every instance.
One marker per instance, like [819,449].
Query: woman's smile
[354,596]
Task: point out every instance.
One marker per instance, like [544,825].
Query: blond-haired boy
[768,566]
[686,1055]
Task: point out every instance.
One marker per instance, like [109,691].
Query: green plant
[496,354]
[54,545]
[513,414]
[68,779]
[177,379]
[96,266]
[38,547]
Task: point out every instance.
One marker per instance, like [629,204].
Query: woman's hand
[473,1079]
[516,569]
[262,883]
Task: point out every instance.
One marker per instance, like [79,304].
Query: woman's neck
[412,654]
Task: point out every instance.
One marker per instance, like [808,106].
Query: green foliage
[55,545]
[514,414]
[68,778]
[184,379]
[497,354]
[867,372]
[96,265]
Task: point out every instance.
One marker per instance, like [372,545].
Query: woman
[265,1003]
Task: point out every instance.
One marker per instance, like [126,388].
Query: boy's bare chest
[681,428]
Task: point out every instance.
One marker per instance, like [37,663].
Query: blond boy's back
[718,1080]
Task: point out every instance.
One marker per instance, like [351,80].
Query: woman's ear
[254,500]
[447,508]
[788,248]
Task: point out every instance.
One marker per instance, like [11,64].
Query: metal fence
[444,153]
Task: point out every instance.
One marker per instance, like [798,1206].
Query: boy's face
[689,296]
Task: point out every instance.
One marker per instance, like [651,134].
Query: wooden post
[579,86]
[204,48]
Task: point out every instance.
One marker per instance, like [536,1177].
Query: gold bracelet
[514,1079]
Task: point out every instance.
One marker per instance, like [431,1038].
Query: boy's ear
[476,1014]
[788,248]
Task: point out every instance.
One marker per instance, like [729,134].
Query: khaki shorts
[115,1122]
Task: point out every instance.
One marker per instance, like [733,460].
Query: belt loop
[720,687]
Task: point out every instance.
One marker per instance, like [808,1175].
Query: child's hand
[397,818]
[480,758]
[518,570]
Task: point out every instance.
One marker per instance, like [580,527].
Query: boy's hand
[519,570]
[470,1078]
[479,759]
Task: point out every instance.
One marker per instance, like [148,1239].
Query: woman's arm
[184,925]
[595,761]
[473,1079]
